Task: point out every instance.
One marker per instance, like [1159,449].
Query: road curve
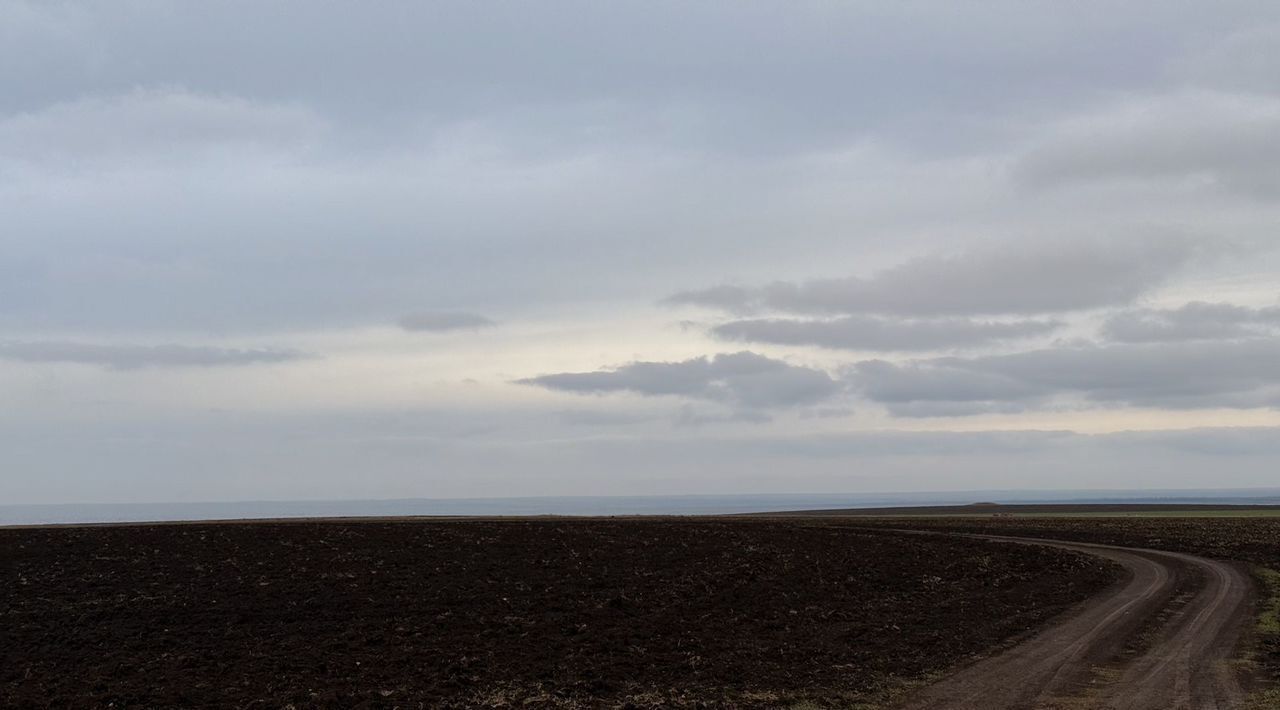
[1184,656]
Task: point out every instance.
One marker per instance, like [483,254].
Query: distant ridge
[987,508]
[700,504]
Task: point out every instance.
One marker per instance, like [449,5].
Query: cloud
[159,123]
[731,299]
[1015,279]
[1247,59]
[1230,374]
[743,379]
[1230,139]
[1205,441]
[941,387]
[691,417]
[599,418]
[132,357]
[876,333]
[1194,321]
[441,321]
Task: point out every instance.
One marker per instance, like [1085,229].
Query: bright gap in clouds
[357,252]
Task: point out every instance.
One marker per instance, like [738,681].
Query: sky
[339,250]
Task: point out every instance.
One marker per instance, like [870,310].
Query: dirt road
[1160,640]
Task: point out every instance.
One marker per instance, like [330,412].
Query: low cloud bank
[133,357]
[743,379]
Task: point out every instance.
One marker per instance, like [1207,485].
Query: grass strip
[1267,651]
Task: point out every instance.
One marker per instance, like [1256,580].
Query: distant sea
[597,505]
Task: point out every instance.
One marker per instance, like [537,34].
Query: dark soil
[1255,540]
[542,613]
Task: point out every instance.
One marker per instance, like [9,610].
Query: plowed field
[530,613]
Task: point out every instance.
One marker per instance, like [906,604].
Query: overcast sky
[273,250]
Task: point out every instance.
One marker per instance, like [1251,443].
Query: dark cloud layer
[936,388]
[132,357]
[1016,279]
[1194,321]
[743,379]
[876,333]
[1231,139]
[1233,374]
